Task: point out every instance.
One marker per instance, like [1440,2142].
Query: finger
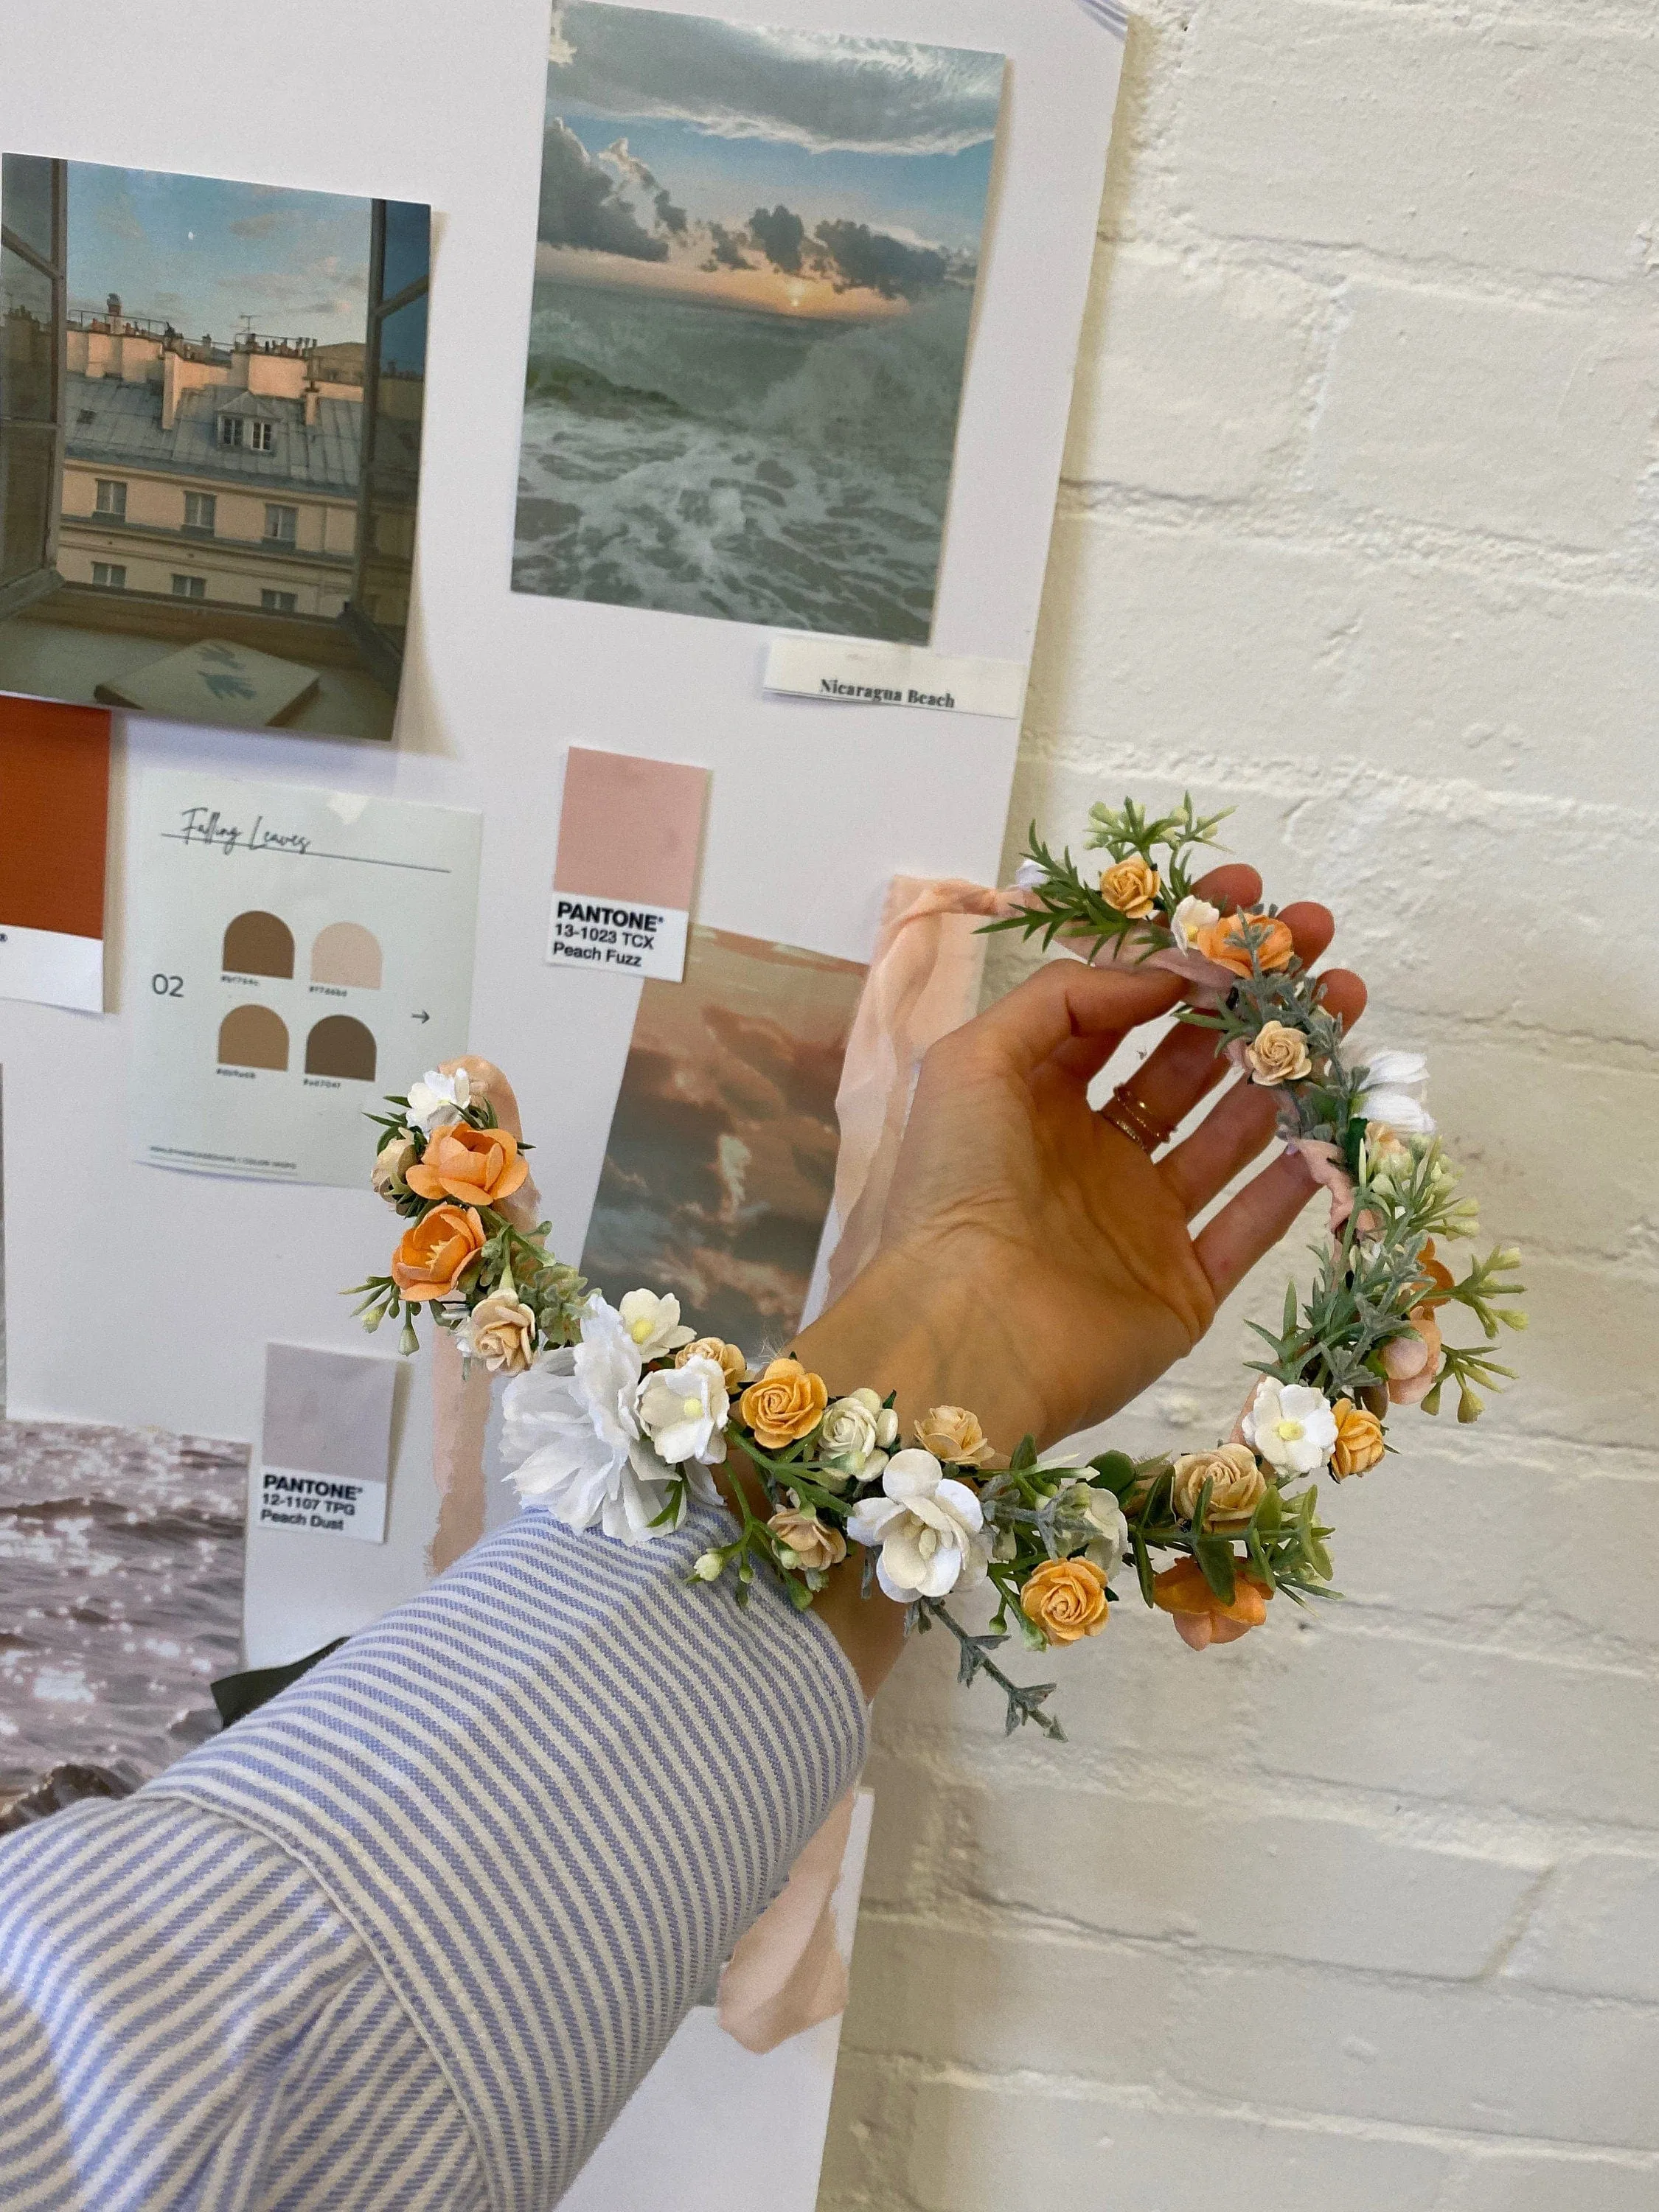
[1235,885]
[1250,1225]
[1230,1136]
[1063,1002]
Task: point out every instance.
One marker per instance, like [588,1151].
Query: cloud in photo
[853,94]
[583,204]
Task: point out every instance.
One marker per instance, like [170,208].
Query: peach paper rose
[1067,1599]
[1278,1054]
[730,1362]
[1359,1439]
[1201,1617]
[784,1404]
[478,1167]
[1412,1363]
[953,1434]
[1132,887]
[500,1330]
[436,1251]
[1229,943]
[1237,1481]
[815,1543]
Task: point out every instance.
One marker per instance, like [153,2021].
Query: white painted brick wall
[1360,529]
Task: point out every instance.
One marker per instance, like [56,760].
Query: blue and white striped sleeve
[410,1936]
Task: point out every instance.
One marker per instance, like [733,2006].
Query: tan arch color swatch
[340,1047]
[258,943]
[346,952]
[252,1037]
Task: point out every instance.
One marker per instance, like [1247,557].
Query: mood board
[562,363]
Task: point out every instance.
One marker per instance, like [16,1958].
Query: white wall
[1361,529]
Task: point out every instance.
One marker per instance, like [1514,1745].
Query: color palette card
[292,955]
[325,1442]
[629,833]
[54,817]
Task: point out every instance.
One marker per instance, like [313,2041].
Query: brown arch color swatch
[258,943]
[252,1037]
[346,952]
[340,1047]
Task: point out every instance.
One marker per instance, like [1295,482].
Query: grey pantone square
[328,1412]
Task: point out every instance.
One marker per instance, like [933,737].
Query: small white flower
[572,1434]
[930,1528]
[1192,916]
[1394,1085]
[1087,1502]
[854,1439]
[654,1323]
[683,1410]
[1291,1426]
[438,1098]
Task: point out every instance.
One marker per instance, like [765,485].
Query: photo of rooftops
[211,409]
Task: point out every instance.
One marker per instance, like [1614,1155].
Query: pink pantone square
[630,828]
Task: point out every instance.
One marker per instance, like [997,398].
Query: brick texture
[1360,533]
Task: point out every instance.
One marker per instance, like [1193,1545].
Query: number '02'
[168,987]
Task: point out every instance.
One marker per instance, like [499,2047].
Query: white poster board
[812,807]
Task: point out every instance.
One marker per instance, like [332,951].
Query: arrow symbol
[420,1017]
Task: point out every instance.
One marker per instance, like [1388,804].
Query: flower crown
[615,1417]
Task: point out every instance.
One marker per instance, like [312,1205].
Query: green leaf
[1218,1560]
[1143,1564]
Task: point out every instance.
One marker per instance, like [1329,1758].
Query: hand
[1036,1265]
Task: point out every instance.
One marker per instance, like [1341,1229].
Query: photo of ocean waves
[120,1595]
[755,467]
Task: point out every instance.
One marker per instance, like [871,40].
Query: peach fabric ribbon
[460,1403]
[786,1973]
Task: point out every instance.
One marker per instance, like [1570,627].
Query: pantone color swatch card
[629,833]
[325,1442]
[292,955]
[54,813]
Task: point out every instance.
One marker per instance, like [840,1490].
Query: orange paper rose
[784,1404]
[1130,887]
[1359,1439]
[1230,941]
[1201,1617]
[436,1251]
[1067,1599]
[478,1167]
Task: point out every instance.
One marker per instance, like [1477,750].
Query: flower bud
[409,1341]
[1512,1320]
[709,1567]
[1470,1407]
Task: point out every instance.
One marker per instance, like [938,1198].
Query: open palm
[1048,1259]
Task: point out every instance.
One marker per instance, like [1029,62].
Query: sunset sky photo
[792,171]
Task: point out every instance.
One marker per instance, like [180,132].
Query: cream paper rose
[683,1410]
[501,1331]
[1237,1481]
[1292,1426]
[727,1357]
[1278,1054]
[654,1323]
[391,1164]
[953,1434]
[857,1434]
[930,1530]
[812,1543]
